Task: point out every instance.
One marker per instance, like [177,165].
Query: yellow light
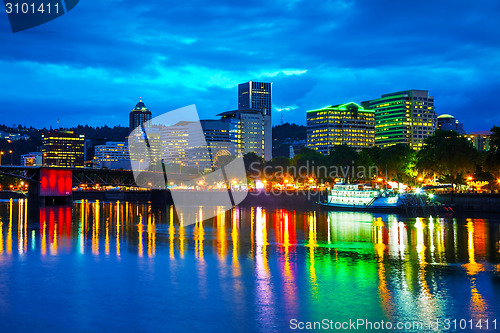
[265,181]
[379,179]
[311,180]
[469,178]
[420,179]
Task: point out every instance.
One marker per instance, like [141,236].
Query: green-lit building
[406,117]
[349,124]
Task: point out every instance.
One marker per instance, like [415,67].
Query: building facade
[139,115]
[406,117]
[63,149]
[32,159]
[112,155]
[258,96]
[447,122]
[248,131]
[480,140]
[349,124]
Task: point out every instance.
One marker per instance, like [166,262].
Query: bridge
[55,184]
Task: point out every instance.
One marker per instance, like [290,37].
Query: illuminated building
[63,149]
[406,117]
[112,155]
[247,130]
[447,122]
[139,115]
[218,143]
[178,138]
[346,124]
[258,96]
[32,159]
[480,140]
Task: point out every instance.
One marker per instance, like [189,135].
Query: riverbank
[471,202]
[462,202]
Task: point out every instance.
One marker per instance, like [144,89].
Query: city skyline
[171,62]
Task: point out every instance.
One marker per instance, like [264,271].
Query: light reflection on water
[132,267]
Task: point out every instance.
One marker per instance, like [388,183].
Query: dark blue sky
[91,65]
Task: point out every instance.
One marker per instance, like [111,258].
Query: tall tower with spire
[139,115]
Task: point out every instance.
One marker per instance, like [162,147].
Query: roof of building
[141,106]
[445,116]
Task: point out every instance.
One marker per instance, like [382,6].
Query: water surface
[129,267]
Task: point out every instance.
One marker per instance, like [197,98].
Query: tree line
[445,156]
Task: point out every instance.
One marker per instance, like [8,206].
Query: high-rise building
[178,138]
[247,130]
[258,96]
[447,122]
[112,155]
[63,149]
[480,140]
[139,115]
[345,124]
[406,117]
[255,95]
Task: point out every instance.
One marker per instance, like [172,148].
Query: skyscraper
[255,95]
[348,124]
[63,149]
[139,115]
[406,117]
[258,96]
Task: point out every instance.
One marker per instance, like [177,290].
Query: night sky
[91,65]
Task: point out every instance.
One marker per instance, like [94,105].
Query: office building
[345,124]
[406,117]
[258,96]
[32,159]
[248,130]
[63,149]
[447,122]
[112,155]
[139,115]
[480,140]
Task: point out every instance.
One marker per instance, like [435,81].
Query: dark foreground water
[121,267]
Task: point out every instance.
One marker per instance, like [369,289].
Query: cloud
[316,53]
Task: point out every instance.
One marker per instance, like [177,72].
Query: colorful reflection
[394,268]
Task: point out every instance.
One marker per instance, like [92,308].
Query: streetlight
[1,154]
[11,155]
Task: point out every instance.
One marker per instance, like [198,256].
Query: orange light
[265,181]
[469,178]
[420,179]
[286,181]
[311,180]
[379,179]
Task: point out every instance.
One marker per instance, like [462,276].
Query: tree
[492,160]
[311,163]
[398,161]
[448,155]
[253,164]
